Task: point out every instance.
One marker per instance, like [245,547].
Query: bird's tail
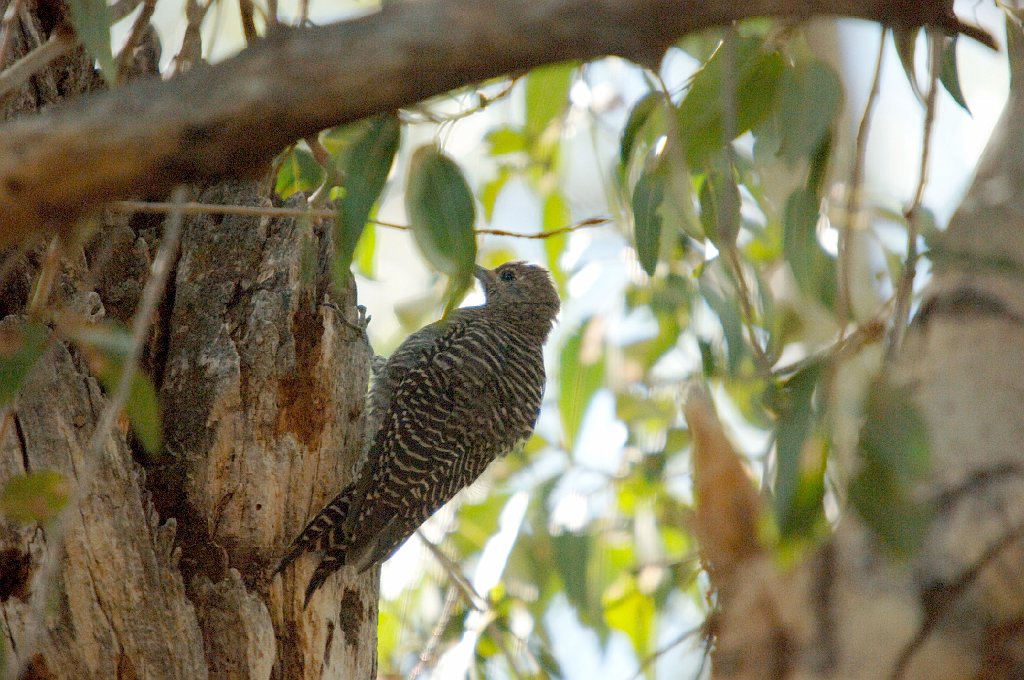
[319,531]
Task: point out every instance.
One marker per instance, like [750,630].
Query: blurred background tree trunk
[161,569]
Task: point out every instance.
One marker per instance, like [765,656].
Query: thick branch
[231,119]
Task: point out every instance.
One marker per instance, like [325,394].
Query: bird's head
[521,291]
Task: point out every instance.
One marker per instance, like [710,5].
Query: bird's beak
[486,277]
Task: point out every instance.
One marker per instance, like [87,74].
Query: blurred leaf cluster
[727,200]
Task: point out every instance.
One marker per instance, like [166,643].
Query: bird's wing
[424,460]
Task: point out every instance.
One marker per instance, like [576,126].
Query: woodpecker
[453,397]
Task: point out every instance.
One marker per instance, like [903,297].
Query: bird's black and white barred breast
[454,396]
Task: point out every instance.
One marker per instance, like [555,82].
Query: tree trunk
[162,568]
[955,609]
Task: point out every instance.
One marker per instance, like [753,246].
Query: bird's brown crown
[522,293]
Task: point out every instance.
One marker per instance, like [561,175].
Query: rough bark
[955,609]
[263,384]
[160,570]
[231,119]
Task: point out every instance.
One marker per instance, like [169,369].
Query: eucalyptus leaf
[949,75]
[580,375]
[442,213]
[21,345]
[547,95]
[364,167]
[648,195]
[754,77]
[91,20]
[297,172]
[799,479]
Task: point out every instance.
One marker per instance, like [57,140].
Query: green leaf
[442,214]
[364,169]
[799,480]
[571,553]
[35,497]
[106,347]
[366,248]
[701,114]
[491,190]
[726,308]
[547,95]
[20,348]
[580,375]
[143,409]
[810,98]
[949,75]
[556,215]
[642,110]
[894,449]
[633,613]
[905,41]
[91,20]
[299,171]
[478,522]
[505,140]
[720,207]
[800,239]
[648,195]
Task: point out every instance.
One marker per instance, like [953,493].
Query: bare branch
[233,118]
[192,208]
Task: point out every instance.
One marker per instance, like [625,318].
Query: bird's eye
[508,275]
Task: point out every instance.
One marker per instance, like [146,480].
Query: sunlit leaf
[91,20]
[442,214]
[799,479]
[580,375]
[648,195]
[632,612]
[949,75]
[894,451]
[478,522]
[297,172]
[556,215]
[35,497]
[491,190]
[701,115]
[810,98]
[505,140]
[21,346]
[547,95]
[366,249]
[364,169]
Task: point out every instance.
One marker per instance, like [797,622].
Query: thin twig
[865,334]
[140,323]
[59,44]
[844,303]
[422,114]
[472,598]
[47,275]
[192,208]
[905,290]
[134,38]
[667,647]
[943,600]
[426,659]
[7,29]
